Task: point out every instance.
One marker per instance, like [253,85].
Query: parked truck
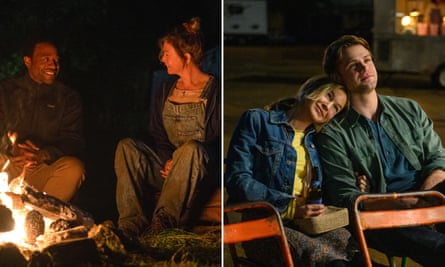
[245,20]
[406,39]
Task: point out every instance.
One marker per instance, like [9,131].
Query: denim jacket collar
[280,117]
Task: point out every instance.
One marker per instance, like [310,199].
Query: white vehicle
[407,39]
[245,19]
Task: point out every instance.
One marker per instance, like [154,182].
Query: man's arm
[433,165]
[70,139]
[340,186]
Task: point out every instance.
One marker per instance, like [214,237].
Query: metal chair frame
[380,219]
[242,231]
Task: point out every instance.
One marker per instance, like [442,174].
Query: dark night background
[108,51]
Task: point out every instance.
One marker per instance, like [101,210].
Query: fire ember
[33,220]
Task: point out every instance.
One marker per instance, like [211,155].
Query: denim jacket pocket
[270,154]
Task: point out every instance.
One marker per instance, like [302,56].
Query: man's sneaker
[161,221]
[130,242]
[115,239]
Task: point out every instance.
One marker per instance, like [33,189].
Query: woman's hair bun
[193,25]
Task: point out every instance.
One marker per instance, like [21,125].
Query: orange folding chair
[239,231]
[385,218]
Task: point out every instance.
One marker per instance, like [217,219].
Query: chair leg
[391,260]
[405,262]
[232,248]
[234,255]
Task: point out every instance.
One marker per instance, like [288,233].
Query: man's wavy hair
[333,54]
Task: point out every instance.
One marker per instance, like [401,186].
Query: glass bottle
[315,192]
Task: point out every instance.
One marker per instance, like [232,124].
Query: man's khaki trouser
[60,179]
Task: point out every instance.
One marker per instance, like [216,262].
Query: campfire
[33,220]
[37,229]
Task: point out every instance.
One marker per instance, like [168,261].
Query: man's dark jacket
[48,115]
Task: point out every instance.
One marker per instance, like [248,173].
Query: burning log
[60,225]
[34,220]
[56,209]
[69,222]
[50,238]
[51,207]
[7,222]
[10,256]
[34,226]
[41,229]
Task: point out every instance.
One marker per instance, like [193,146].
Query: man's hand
[167,168]
[27,155]
[436,177]
[363,183]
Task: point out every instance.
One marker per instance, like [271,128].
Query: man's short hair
[334,52]
[30,43]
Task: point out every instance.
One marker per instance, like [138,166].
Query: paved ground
[255,76]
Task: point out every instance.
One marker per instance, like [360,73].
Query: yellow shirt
[300,175]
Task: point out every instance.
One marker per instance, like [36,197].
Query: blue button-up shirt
[399,174]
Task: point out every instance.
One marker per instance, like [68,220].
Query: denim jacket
[261,160]
[348,146]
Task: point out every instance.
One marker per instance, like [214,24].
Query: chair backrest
[247,230]
[384,218]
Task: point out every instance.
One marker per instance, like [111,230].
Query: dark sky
[84,24]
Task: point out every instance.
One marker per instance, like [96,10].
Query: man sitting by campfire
[41,126]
